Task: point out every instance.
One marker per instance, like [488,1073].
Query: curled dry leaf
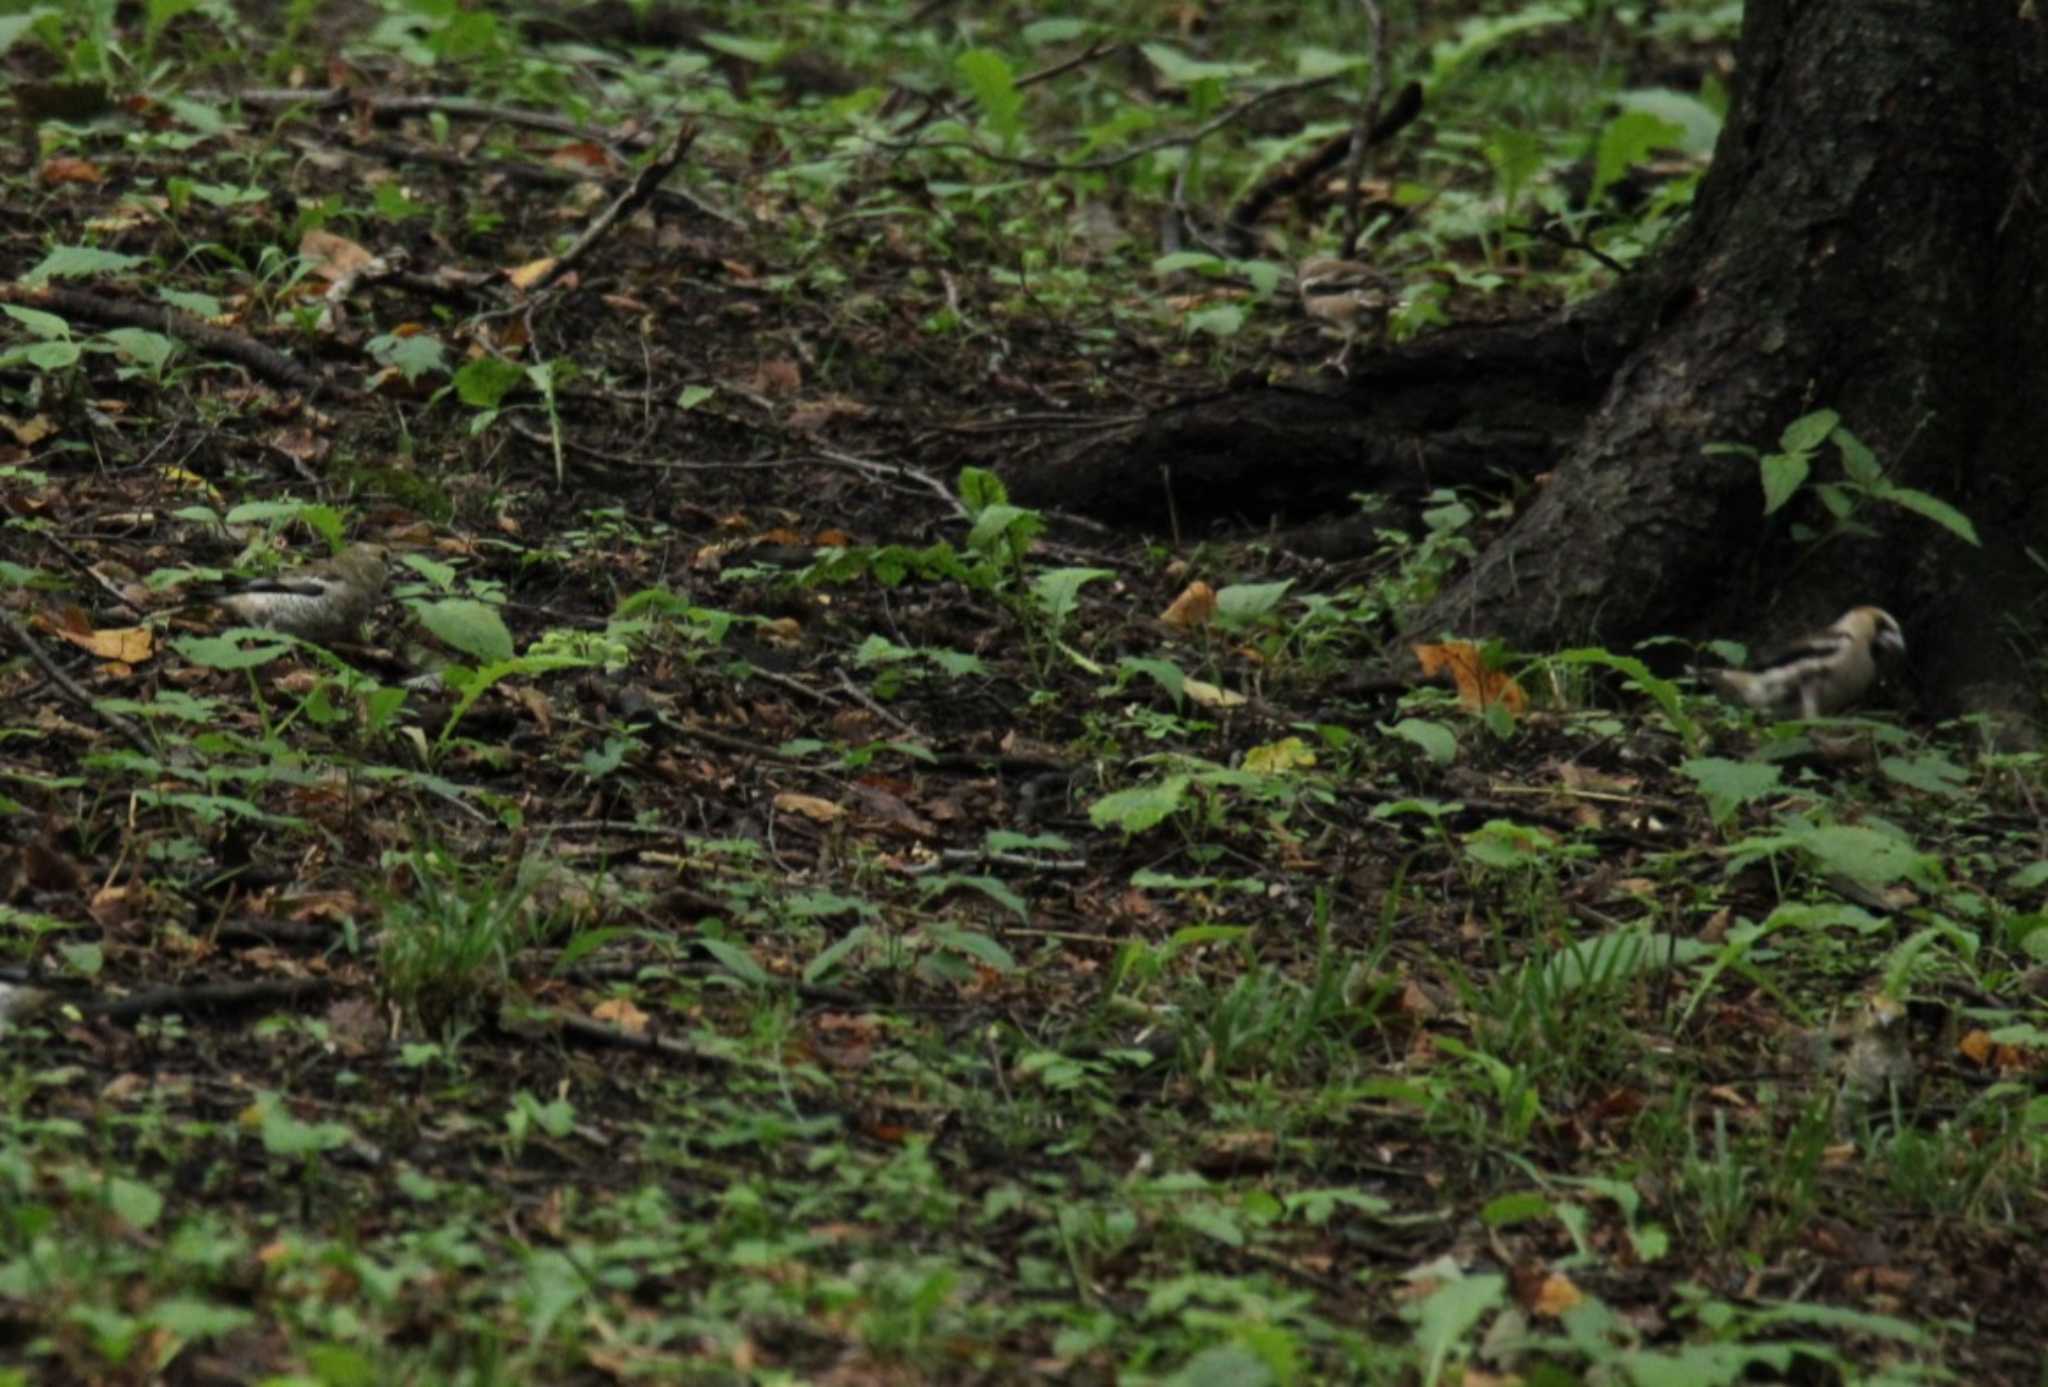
[1196,606]
[822,811]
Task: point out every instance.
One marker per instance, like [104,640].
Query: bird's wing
[1813,650]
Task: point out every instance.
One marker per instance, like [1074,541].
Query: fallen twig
[26,639]
[637,192]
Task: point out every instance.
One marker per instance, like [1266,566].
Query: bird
[324,601]
[1346,294]
[1820,674]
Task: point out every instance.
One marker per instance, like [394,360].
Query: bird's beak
[1890,639]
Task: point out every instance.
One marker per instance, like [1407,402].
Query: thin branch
[26,639]
[642,188]
[1361,132]
[1194,136]
[266,363]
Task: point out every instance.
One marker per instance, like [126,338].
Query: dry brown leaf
[30,431]
[125,644]
[1478,687]
[300,444]
[331,257]
[579,155]
[67,170]
[619,1012]
[811,417]
[1196,606]
[531,273]
[1556,1295]
[778,377]
[822,811]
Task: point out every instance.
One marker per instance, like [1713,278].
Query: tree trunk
[1871,238]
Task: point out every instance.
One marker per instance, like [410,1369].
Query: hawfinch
[1819,674]
[326,601]
[1345,294]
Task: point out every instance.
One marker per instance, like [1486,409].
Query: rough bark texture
[1463,408]
[1872,238]
[1869,239]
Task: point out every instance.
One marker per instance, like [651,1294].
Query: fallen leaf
[64,170]
[1478,686]
[531,273]
[1208,695]
[822,811]
[778,377]
[331,257]
[621,1013]
[126,644]
[1196,606]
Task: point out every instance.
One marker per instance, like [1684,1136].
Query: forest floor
[757,906]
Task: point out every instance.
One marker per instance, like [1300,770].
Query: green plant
[450,933]
[1861,484]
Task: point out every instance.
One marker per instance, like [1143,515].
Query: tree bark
[1872,218]
[1871,238]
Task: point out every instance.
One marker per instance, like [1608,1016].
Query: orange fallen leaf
[128,645]
[1196,606]
[621,1013]
[70,171]
[1478,686]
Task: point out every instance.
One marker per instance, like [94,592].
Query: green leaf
[1783,474]
[1058,590]
[1864,854]
[1223,320]
[1448,1315]
[1136,810]
[975,945]
[1809,431]
[233,652]
[1628,140]
[1693,122]
[1728,785]
[45,325]
[1239,605]
[79,262]
[980,488]
[1859,464]
[1437,741]
[1176,69]
[473,627]
[995,90]
[134,1203]
[1506,1210]
[1214,1222]
[1931,772]
[484,382]
[824,963]
[1939,511]
[735,960]
[1165,673]
[1198,261]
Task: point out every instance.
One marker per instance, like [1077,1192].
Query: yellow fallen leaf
[1209,695]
